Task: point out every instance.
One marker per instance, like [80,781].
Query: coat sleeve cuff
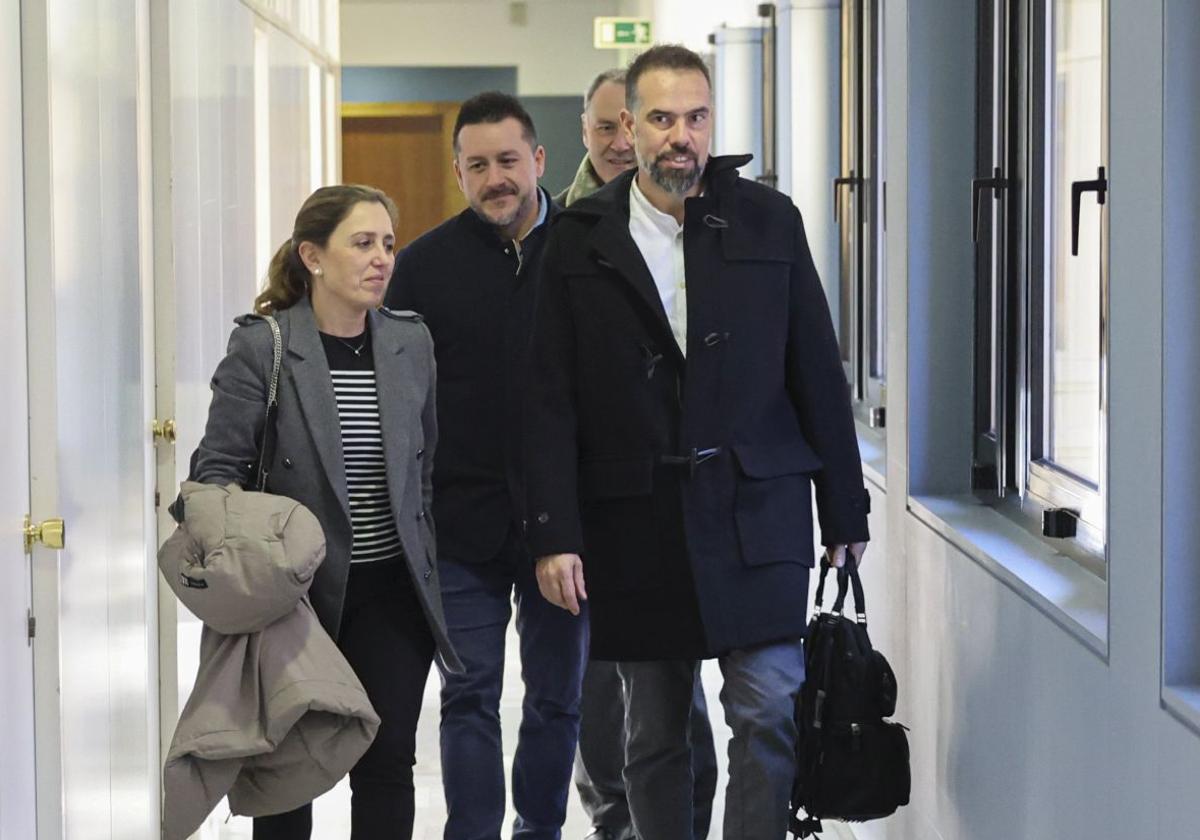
[549,533]
[843,519]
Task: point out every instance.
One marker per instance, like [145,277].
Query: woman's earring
[318,271]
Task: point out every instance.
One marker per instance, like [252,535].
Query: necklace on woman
[357,351]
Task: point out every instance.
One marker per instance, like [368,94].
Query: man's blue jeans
[478,601]
[759,698]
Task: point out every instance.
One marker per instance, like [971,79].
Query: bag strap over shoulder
[266,448]
[277,358]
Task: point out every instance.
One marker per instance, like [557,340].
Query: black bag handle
[847,577]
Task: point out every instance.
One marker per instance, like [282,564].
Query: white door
[17,813]
[91,456]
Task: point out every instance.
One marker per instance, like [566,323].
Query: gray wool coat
[308,464]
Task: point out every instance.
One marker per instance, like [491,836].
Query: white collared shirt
[660,239]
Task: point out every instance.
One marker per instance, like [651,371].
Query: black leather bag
[852,764]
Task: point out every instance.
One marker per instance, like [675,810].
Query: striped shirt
[371,518]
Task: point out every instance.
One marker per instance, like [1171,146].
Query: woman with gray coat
[355,431]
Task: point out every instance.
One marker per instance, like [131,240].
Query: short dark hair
[616,75]
[492,107]
[662,57]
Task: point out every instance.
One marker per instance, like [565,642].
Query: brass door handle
[52,533]
[164,430]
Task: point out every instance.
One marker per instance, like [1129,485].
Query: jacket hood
[241,560]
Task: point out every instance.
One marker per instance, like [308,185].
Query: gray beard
[674,181]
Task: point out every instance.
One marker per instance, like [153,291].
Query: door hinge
[30,626]
[157,499]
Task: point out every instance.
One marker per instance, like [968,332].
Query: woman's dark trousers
[386,640]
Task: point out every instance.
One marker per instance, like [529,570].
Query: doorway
[404,149]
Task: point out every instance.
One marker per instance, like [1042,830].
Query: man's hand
[835,555]
[560,578]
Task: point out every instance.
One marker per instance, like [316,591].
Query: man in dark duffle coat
[601,757]
[687,396]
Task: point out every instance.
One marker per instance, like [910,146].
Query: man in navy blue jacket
[471,279]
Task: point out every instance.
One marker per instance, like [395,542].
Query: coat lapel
[612,244]
[314,387]
[392,374]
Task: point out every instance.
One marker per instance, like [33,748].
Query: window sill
[872,448]
[1183,702]
[1057,585]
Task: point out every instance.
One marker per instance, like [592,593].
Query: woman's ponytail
[287,281]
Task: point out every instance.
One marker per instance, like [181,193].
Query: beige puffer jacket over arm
[277,716]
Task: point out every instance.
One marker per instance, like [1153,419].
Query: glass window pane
[1073,305]
[873,140]
[848,196]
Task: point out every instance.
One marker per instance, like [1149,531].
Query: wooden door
[404,149]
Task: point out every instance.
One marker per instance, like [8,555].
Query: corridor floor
[331,814]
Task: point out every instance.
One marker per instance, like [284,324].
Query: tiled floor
[331,815]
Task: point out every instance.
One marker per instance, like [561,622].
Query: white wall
[88,286]
[248,143]
[809,127]
[552,51]
[690,22]
[17,758]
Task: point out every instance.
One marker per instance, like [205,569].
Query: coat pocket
[773,506]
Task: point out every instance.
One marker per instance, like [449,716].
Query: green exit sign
[615,33]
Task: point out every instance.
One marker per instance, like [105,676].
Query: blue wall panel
[423,84]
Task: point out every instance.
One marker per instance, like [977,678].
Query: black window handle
[996,183]
[850,181]
[1078,188]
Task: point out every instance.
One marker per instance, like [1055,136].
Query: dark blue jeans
[478,600]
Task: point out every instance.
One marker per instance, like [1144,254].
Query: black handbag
[852,764]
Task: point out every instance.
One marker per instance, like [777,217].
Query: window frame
[1012,381]
[859,208]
